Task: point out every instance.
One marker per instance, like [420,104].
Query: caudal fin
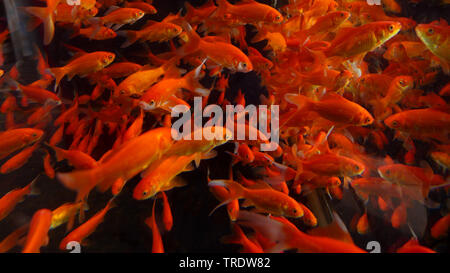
[58,73]
[301,101]
[81,181]
[193,41]
[236,191]
[45,14]
[131,35]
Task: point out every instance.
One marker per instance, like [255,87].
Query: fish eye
[391,27]
[388,172]
[122,92]
[34,135]
[402,82]
[110,57]
[357,167]
[430,31]
[294,211]
[144,193]
[395,123]
[277,18]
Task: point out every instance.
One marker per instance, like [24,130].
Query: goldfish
[135,84]
[421,123]
[61,214]
[18,160]
[153,32]
[92,33]
[267,199]
[162,176]
[78,159]
[287,236]
[118,17]
[157,244]
[16,139]
[167,213]
[221,53]
[9,201]
[411,176]
[363,39]
[13,238]
[139,155]
[250,12]
[87,228]
[37,233]
[436,39]
[334,108]
[83,65]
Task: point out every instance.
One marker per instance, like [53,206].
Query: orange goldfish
[267,199]
[9,201]
[221,53]
[83,65]
[362,39]
[124,162]
[37,233]
[334,108]
[16,139]
[87,228]
[157,244]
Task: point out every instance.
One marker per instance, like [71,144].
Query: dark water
[123,229]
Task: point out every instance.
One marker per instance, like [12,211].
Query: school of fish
[363,115]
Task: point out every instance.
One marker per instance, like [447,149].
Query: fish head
[145,189]
[389,172]
[243,65]
[340,16]
[31,135]
[138,14]
[173,30]
[394,122]
[404,82]
[107,58]
[355,168]
[274,17]
[364,118]
[429,34]
[386,30]
[293,209]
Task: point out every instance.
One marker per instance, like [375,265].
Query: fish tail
[193,42]
[58,151]
[45,14]
[192,81]
[236,191]
[131,35]
[301,101]
[58,73]
[81,181]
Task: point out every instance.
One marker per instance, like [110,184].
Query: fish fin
[45,14]
[58,73]
[301,101]
[131,35]
[81,181]
[192,45]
